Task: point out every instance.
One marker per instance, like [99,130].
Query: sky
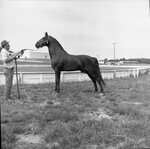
[81,26]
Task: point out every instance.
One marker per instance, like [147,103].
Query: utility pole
[114,49]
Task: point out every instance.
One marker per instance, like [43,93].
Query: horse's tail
[99,74]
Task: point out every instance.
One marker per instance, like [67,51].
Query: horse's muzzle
[37,45]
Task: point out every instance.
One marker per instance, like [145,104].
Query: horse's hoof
[101,94]
[57,90]
[55,94]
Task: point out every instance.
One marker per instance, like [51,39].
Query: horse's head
[43,41]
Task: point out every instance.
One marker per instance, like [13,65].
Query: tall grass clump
[56,131]
[8,138]
[136,129]
[64,114]
[126,109]
[76,134]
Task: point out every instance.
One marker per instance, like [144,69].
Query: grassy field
[77,118]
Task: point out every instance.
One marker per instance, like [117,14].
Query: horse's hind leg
[102,80]
[94,81]
[100,84]
[99,79]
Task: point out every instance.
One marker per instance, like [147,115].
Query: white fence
[68,76]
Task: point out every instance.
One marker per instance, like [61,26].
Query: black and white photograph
[75,74]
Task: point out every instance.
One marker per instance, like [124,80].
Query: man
[8,61]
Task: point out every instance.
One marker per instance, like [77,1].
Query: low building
[111,62]
[36,55]
[127,62]
[118,62]
[101,62]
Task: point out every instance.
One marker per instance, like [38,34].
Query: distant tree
[122,59]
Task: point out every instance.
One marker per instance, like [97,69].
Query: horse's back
[86,59]
[88,63]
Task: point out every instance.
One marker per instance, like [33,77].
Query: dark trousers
[8,73]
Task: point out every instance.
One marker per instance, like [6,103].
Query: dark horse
[62,61]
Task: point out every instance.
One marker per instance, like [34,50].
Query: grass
[72,119]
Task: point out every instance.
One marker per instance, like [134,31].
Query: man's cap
[4,42]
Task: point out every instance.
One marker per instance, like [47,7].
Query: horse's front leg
[57,81]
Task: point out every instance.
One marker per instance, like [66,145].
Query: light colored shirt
[5,54]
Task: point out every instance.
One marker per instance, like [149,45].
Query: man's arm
[13,56]
[17,53]
[9,59]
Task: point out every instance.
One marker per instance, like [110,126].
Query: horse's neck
[56,50]
[50,53]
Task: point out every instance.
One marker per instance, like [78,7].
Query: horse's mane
[56,42]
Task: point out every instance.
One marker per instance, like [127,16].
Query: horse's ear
[46,34]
